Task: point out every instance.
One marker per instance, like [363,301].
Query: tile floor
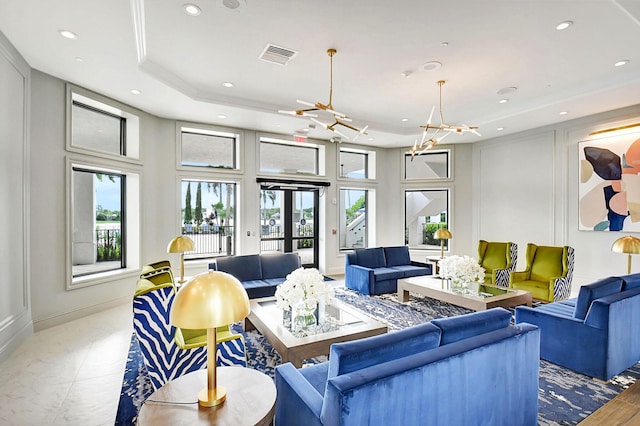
[70,374]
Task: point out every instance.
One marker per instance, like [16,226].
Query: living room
[521,187]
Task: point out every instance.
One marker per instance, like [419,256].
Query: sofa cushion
[412,271]
[371,258]
[396,256]
[468,325]
[631,281]
[590,292]
[539,289]
[354,355]
[244,268]
[279,265]
[383,274]
[547,263]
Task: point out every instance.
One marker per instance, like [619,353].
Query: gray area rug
[565,397]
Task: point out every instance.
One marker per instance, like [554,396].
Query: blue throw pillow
[397,256]
[371,258]
[469,325]
[590,292]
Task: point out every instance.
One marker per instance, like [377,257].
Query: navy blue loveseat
[597,333]
[259,274]
[377,270]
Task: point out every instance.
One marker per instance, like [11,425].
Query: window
[357,163]
[291,158]
[430,165]
[98,239]
[353,219]
[208,217]
[205,148]
[425,212]
[97,126]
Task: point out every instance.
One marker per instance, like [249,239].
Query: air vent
[277,55]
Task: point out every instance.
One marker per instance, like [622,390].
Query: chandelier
[338,118]
[433,135]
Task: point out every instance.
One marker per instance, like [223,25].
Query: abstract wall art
[609,189]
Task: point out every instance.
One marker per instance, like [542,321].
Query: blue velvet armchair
[597,333]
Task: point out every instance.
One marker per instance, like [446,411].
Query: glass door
[289,222]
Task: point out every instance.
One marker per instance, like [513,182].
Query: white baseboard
[54,320]
[16,340]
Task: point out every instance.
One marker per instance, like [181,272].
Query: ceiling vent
[277,54]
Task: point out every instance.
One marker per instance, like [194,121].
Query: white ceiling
[179,62]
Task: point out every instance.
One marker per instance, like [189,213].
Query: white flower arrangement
[462,269]
[304,286]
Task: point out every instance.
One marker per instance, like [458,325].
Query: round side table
[251,400]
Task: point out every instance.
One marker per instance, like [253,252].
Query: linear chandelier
[339,119]
[433,135]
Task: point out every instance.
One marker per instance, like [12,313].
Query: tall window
[98,239]
[208,217]
[425,212]
[353,219]
[291,158]
[357,163]
[103,190]
[205,148]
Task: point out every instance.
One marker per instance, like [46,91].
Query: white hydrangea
[461,268]
[304,286]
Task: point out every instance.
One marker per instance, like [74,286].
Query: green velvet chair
[498,261]
[548,274]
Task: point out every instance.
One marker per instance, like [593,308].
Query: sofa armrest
[298,401]
[423,264]
[359,278]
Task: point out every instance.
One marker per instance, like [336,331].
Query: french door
[289,222]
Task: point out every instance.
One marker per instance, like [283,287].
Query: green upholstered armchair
[498,261]
[548,274]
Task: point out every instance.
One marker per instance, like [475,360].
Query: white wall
[15,307]
[526,190]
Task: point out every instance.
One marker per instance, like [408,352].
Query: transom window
[357,163]
[430,165]
[285,157]
[205,148]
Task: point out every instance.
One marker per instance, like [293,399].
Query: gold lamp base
[218,395]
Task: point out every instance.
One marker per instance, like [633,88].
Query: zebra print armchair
[171,352]
[498,261]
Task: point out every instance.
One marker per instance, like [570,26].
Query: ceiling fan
[339,118]
[428,141]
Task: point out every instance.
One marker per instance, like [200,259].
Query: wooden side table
[436,265]
[251,400]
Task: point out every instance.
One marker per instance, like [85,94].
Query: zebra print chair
[170,352]
[498,261]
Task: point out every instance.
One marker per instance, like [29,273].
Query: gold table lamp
[629,245]
[442,234]
[209,300]
[180,244]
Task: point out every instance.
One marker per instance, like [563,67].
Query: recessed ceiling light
[222,116]
[444,44]
[370,139]
[503,101]
[431,66]
[191,9]
[564,25]
[406,74]
[563,112]
[500,129]
[506,90]
[68,34]
[79,59]
[135,91]
[404,120]
[227,84]
[621,63]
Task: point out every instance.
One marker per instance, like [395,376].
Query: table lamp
[180,244]
[629,245]
[442,234]
[209,300]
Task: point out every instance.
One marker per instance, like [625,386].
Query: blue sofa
[377,270]
[259,274]
[472,369]
[597,333]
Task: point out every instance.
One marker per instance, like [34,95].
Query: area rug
[565,397]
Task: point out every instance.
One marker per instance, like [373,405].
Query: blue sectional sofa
[597,333]
[377,270]
[472,369]
[259,274]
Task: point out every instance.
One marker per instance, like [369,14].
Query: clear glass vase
[303,317]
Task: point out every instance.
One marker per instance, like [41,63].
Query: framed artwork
[609,188]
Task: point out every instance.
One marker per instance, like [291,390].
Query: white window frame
[370,162]
[406,156]
[211,131]
[320,156]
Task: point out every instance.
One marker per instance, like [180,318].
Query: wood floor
[624,409]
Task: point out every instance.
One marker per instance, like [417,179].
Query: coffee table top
[480,297]
[342,323]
